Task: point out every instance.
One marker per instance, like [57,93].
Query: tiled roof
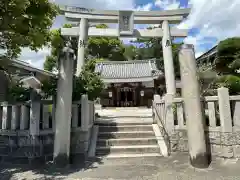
[207,54]
[128,71]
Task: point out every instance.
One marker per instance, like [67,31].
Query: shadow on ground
[45,171]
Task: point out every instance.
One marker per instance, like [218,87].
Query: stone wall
[220,144]
[20,148]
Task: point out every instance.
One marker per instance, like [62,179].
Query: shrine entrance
[126,97]
[82,17]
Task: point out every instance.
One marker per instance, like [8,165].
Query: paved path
[172,168]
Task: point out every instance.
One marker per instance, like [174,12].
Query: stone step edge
[128,139]
[127,126]
[113,155]
[126,132]
[127,147]
[101,123]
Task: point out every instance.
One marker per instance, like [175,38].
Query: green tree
[106,47]
[152,48]
[223,69]
[98,47]
[88,82]
[227,64]
[24,23]
[130,52]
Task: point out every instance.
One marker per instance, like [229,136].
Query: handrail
[159,117]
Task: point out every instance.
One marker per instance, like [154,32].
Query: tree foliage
[228,56]
[226,66]
[152,48]
[88,83]
[97,47]
[106,47]
[24,23]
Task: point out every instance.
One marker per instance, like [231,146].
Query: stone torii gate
[126,21]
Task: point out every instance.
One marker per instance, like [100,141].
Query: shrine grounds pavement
[175,167]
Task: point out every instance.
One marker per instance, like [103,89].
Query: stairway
[117,140]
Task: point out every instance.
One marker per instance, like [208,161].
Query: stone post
[193,109]
[15,121]
[169,116]
[34,118]
[63,108]
[168,59]
[75,115]
[35,111]
[45,116]
[82,42]
[156,98]
[24,117]
[6,116]
[84,113]
[226,122]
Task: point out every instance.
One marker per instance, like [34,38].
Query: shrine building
[130,83]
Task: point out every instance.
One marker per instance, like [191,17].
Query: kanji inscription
[82,43]
[126,23]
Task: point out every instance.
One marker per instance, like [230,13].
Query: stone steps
[135,149]
[120,123]
[125,128]
[115,156]
[126,134]
[125,140]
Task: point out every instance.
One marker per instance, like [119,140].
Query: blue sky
[209,22]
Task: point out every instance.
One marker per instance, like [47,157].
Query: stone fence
[27,130]
[222,125]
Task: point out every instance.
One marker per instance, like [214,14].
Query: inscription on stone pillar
[126,23]
[168,43]
[82,43]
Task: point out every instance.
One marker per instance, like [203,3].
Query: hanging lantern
[110,94]
[142,93]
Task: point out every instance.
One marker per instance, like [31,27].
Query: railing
[221,122]
[27,129]
[38,117]
[211,109]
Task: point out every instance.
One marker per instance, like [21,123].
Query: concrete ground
[175,167]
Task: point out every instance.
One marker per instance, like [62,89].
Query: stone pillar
[35,119]
[169,116]
[82,42]
[84,113]
[45,116]
[156,99]
[226,122]
[193,110]
[75,115]
[15,121]
[168,59]
[6,117]
[24,117]
[63,108]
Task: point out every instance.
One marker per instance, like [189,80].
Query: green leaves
[228,55]
[88,82]
[25,23]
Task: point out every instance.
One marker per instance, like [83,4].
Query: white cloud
[100,4]
[167,4]
[198,54]
[216,18]
[35,59]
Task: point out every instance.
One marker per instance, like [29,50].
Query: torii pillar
[168,59]
[82,42]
